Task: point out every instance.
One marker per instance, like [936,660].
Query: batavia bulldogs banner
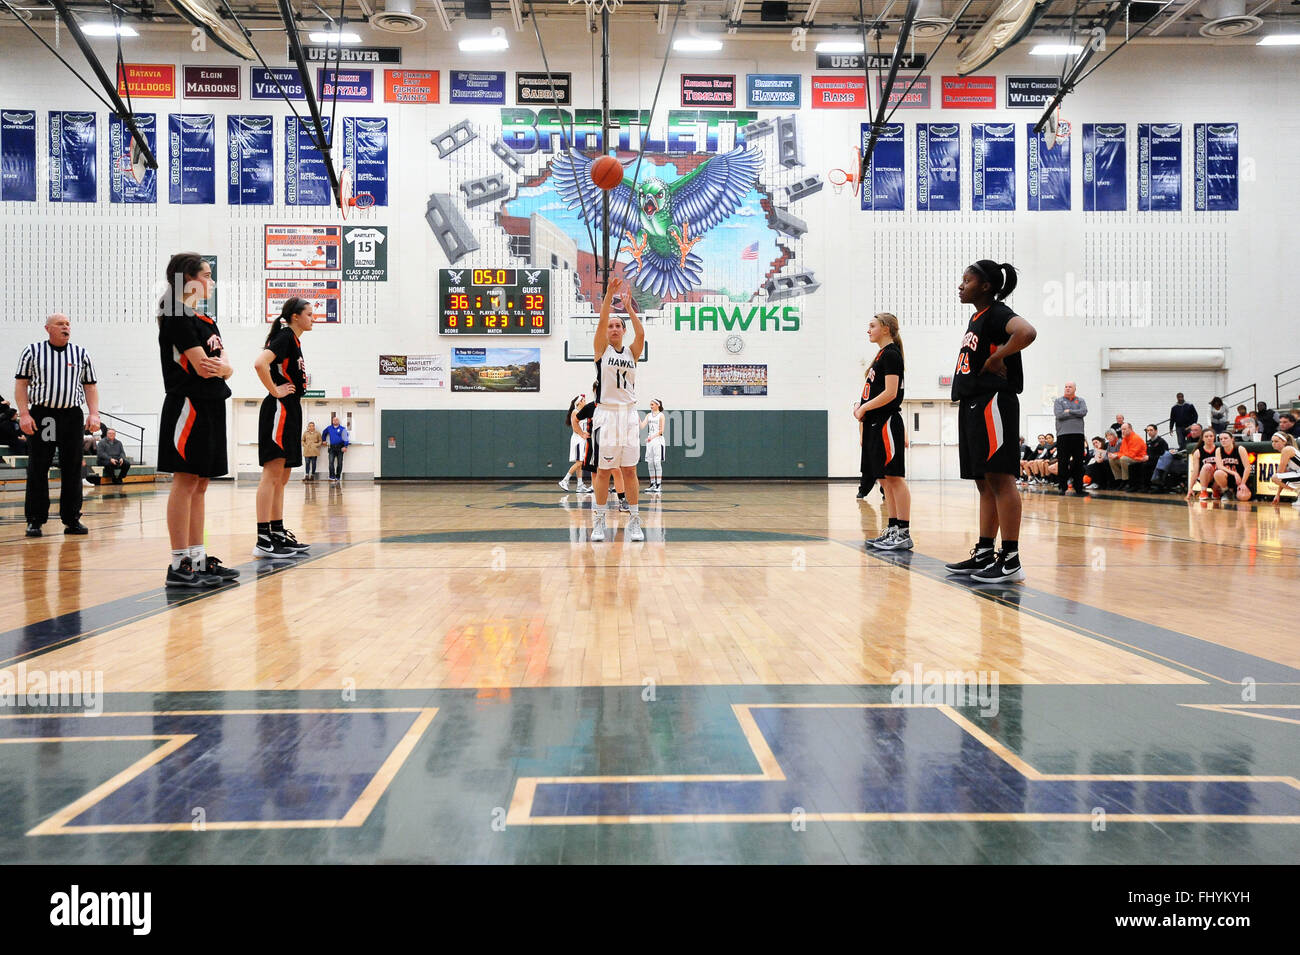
[882,188]
[18,155]
[1105,167]
[192,145]
[1048,176]
[1160,167]
[993,167]
[938,167]
[250,151]
[72,157]
[1216,167]
[306,182]
[365,150]
[122,184]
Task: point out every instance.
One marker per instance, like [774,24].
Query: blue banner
[476,87]
[123,187]
[306,180]
[347,86]
[192,146]
[773,90]
[938,167]
[18,155]
[276,83]
[993,167]
[1160,167]
[365,152]
[72,157]
[1216,167]
[1048,174]
[882,189]
[250,179]
[1105,167]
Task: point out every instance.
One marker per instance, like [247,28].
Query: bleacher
[14,470]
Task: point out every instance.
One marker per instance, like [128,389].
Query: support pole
[604,145]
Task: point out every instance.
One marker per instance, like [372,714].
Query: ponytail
[291,308]
[890,321]
[182,269]
[1002,277]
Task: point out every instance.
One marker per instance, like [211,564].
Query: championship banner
[1105,167]
[1216,167]
[251,160]
[192,146]
[735,380]
[72,157]
[882,186]
[306,181]
[1048,174]
[365,152]
[322,293]
[122,184]
[938,167]
[496,369]
[1160,167]
[993,167]
[302,246]
[413,371]
[18,155]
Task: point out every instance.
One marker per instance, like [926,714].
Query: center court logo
[77,908]
[959,688]
[66,689]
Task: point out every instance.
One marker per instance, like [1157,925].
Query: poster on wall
[365,152]
[509,370]
[1160,167]
[146,80]
[882,187]
[411,86]
[476,88]
[735,380]
[993,167]
[251,155]
[302,246]
[551,89]
[211,82]
[773,90]
[838,92]
[413,371]
[72,157]
[1216,167]
[276,83]
[324,295]
[1105,167]
[346,86]
[18,155]
[708,89]
[192,148]
[938,167]
[1047,177]
[123,187]
[968,92]
[909,91]
[306,181]
[365,254]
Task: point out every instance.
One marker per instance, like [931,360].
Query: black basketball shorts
[279,431]
[192,436]
[884,441]
[987,432]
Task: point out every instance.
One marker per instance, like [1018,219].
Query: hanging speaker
[1140,12]
[775,11]
[478,9]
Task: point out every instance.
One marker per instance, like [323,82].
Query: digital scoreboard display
[494,301]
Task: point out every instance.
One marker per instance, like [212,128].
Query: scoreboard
[494,301]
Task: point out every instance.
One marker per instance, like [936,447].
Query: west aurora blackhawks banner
[1105,167]
[72,157]
[306,181]
[18,155]
[251,161]
[882,186]
[122,184]
[938,166]
[192,146]
[365,151]
[993,167]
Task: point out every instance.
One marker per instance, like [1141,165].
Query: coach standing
[1070,411]
[54,379]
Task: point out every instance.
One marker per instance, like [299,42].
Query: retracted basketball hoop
[349,198]
[1057,131]
[839,178]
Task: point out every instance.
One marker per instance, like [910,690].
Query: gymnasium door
[355,414]
[932,438]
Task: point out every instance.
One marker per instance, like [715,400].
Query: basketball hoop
[133,162]
[839,178]
[349,198]
[1057,131]
[597,6]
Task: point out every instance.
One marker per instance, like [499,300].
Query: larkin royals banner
[365,152]
[993,167]
[306,181]
[1216,167]
[122,184]
[251,167]
[1048,175]
[1160,167]
[1105,167]
[72,157]
[938,167]
[882,189]
[18,155]
[192,145]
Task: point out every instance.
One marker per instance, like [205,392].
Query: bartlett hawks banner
[251,159]
[882,188]
[122,184]
[192,147]
[411,86]
[773,90]
[146,80]
[1216,167]
[1048,174]
[1105,167]
[306,180]
[211,82]
[1160,167]
[18,155]
[708,89]
[993,167]
[72,157]
[365,152]
[938,167]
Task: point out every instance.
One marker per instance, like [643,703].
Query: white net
[598,5]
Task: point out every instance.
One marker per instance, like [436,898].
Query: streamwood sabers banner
[882,187]
[72,157]
[18,155]
[123,187]
[365,151]
[993,167]
[1048,174]
[1105,167]
[938,167]
[1160,167]
[250,179]
[1216,167]
[306,181]
[192,145]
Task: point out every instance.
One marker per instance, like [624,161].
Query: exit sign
[945,381]
[314,394]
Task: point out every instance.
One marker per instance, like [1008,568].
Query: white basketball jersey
[654,427]
[617,377]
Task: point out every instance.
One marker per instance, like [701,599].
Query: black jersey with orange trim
[288,365]
[985,334]
[888,361]
[178,332]
[1231,462]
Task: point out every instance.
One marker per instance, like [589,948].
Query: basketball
[607,172]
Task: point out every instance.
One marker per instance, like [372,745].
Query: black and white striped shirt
[56,376]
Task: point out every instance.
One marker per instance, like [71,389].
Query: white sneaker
[901,540]
[584,488]
[634,532]
[598,527]
[86,483]
[883,538]
[564,484]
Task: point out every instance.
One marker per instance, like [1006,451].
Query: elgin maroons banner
[306,180]
[18,155]
[365,152]
[72,157]
[123,186]
[192,146]
[938,166]
[1048,174]
[1105,167]
[882,186]
[1160,167]
[1216,167]
[251,161]
[993,167]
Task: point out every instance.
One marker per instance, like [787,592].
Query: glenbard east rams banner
[365,152]
[1105,167]
[1216,167]
[306,181]
[192,146]
[251,178]
[882,188]
[72,157]
[122,185]
[1160,167]
[993,167]
[938,166]
[18,155]
[1048,174]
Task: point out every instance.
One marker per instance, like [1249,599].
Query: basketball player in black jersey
[883,438]
[283,374]
[1232,468]
[986,384]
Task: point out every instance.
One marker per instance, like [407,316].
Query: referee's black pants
[1070,456]
[56,428]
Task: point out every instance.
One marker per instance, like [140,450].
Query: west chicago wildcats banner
[250,179]
[1216,167]
[18,155]
[882,187]
[192,146]
[938,166]
[72,157]
[1048,175]
[306,181]
[993,167]
[365,150]
[1105,167]
[1160,167]
[122,184]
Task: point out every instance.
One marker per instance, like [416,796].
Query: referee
[53,380]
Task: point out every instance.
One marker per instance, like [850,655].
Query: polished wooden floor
[1163,622]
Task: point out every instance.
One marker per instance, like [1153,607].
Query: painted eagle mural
[661,221]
